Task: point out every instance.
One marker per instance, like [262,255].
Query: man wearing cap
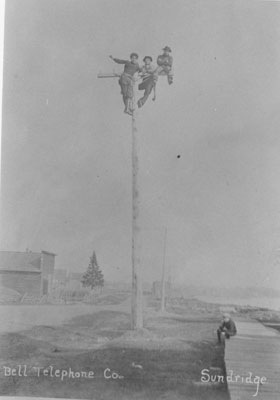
[126,80]
[227,328]
[149,80]
[165,62]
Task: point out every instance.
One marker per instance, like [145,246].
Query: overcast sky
[66,143]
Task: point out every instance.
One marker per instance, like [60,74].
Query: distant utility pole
[163,295]
[136,300]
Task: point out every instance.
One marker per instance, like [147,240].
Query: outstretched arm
[117,60]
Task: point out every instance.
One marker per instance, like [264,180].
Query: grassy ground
[162,361]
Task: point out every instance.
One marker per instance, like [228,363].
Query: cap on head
[226,315]
[134,55]
[147,57]
[167,48]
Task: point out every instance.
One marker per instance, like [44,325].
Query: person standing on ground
[126,80]
[227,328]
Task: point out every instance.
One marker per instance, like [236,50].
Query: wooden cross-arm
[108,75]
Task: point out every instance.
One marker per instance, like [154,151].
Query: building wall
[47,268]
[47,264]
[22,282]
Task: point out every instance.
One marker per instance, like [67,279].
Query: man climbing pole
[165,62]
[149,80]
[126,80]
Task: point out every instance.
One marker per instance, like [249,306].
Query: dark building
[27,272]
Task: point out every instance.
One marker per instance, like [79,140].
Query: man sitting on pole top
[149,80]
[165,62]
[126,80]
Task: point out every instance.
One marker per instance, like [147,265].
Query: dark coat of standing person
[126,80]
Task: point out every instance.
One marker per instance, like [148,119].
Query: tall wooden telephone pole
[137,293]
[163,279]
[136,306]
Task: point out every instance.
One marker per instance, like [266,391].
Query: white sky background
[66,143]
[2,20]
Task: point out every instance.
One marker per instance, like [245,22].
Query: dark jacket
[229,327]
[165,61]
[129,67]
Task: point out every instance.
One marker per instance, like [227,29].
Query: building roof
[49,253]
[13,261]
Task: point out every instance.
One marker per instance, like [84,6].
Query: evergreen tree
[93,276]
